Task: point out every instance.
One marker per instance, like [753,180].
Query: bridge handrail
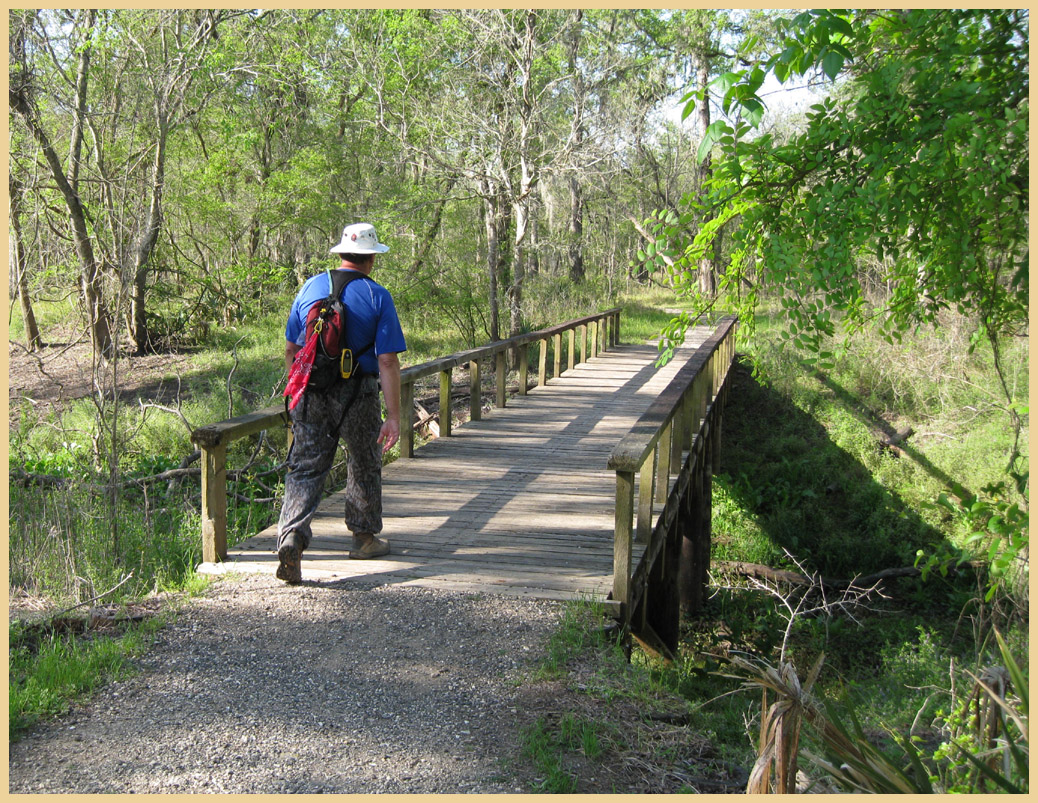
[679,419]
[605,333]
[213,439]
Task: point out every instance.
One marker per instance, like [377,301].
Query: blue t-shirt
[370,319]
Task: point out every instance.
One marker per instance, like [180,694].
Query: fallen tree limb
[26,479]
[762,572]
[93,599]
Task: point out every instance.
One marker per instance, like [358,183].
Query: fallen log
[427,421]
[893,441]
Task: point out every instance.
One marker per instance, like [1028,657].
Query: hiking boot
[289,568]
[370,547]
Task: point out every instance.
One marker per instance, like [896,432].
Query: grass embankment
[806,483]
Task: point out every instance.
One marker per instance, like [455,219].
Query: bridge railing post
[501,375]
[407,413]
[646,487]
[524,369]
[475,392]
[445,403]
[214,503]
[622,545]
[213,441]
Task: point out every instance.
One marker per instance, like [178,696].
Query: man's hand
[389,434]
[291,349]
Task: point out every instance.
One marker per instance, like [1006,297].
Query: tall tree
[20,266]
[125,76]
[29,42]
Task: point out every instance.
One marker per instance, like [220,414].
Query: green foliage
[917,159]
[998,533]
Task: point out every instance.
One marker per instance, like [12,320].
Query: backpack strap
[339,280]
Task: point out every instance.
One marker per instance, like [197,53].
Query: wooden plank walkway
[519,503]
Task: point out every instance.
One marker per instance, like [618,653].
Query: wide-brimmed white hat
[359,238]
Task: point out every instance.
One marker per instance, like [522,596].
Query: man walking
[349,409]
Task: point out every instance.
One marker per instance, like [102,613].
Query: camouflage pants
[314,441]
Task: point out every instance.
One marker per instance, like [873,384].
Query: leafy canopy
[911,176]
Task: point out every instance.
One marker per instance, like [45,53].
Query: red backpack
[324,358]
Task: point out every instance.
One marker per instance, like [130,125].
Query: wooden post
[558,355]
[214,503]
[475,392]
[524,368]
[616,328]
[624,519]
[697,394]
[407,419]
[572,348]
[677,441]
[646,487]
[689,526]
[445,403]
[583,342]
[594,339]
[500,367]
[661,602]
[706,488]
[663,464]
[542,364]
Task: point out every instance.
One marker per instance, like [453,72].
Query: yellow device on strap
[346,363]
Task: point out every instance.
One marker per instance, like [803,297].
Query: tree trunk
[17,249]
[707,265]
[20,99]
[492,220]
[576,220]
[533,262]
[97,312]
[146,244]
[576,232]
[527,180]
[434,228]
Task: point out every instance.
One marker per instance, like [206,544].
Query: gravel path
[257,687]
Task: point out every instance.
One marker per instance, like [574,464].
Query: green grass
[802,472]
[46,674]
[548,746]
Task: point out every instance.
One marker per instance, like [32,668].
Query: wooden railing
[586,337]
[685,418]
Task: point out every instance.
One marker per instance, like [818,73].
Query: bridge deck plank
[519,503]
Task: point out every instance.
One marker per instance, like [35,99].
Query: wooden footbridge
[593,483]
